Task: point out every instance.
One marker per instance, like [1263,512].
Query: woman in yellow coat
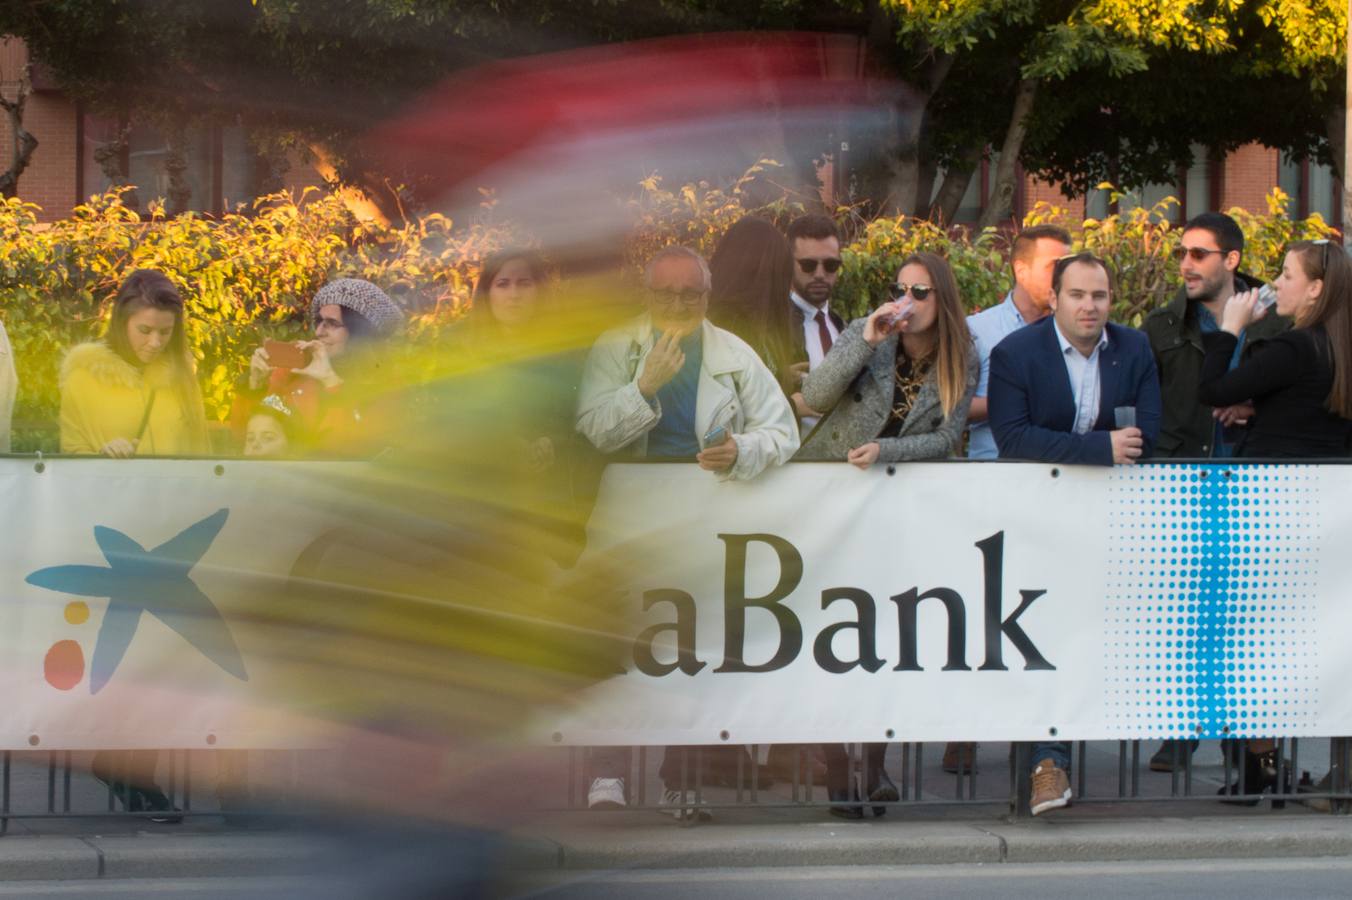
[134,392]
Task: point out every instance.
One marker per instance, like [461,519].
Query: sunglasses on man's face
[918,291]
[809,266]
[1198,254]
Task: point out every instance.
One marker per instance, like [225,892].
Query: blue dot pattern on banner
[1210,617]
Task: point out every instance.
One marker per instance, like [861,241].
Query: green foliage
[251,274]
[243,276]
[872,261]
[697,215]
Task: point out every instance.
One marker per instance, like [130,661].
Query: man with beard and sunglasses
[1209,255]
[815,242]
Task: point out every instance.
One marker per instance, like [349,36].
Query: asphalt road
[1228,879]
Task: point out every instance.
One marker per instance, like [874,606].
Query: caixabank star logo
[134,582]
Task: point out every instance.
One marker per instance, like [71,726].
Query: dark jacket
[1032,406]
[1188,429]
[796,340]
[1288,379]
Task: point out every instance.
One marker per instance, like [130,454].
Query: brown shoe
[1051,788]
[960,755]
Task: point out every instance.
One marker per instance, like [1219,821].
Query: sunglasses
[688,297]
[1198,254]
[1323,245]
[918,291]
[809,266]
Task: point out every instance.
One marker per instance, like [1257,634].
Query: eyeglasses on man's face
[669,298]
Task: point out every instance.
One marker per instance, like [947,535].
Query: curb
[50,858]
[587,847]
[937,843]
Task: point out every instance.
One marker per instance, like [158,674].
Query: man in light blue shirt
[1033,256]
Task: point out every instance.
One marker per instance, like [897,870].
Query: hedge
[250,274]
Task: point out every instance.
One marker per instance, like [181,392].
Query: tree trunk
[24,142]
[111,157]
[1001,201]
[944,210]
[176,167]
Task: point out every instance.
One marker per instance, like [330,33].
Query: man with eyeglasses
[1032,257]
[815,242]
[672,385]
[1209,255]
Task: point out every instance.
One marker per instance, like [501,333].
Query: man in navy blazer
[1055,385]
[1054,390]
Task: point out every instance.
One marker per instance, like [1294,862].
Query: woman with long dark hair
[1300,382]
[752,269]
[134,391]
[1300,387]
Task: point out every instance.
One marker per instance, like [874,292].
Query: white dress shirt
[1084,379]
[812,339]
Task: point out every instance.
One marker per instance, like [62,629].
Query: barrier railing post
[1021,761]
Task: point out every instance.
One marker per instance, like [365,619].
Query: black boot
[1259,777]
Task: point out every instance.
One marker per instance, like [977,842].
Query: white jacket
[736,391]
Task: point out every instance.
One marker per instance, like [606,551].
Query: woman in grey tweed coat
[897,384]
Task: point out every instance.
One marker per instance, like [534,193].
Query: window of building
[1193,190]
[978,191]
[220,173]
[1313,188]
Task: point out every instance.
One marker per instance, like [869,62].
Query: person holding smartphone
[326,381]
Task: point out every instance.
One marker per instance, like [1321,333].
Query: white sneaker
[606,793]
[671,805]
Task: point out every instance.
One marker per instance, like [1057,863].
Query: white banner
[130,590]
[954,601]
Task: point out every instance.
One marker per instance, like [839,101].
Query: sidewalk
[577,842]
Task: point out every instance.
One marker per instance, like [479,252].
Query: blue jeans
[1056,751]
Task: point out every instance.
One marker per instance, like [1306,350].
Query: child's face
[264,438]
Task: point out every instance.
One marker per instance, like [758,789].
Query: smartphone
[284,355]
[716,436]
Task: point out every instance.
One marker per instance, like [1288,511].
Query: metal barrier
[199,784]
[921,783]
